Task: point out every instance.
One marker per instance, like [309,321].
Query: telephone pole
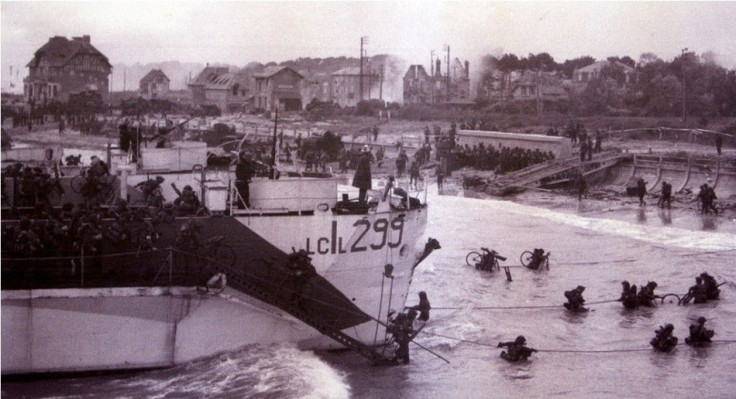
[431,63]
[363,42]
[684,107]
[447,78]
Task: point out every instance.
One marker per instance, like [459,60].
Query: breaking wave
[670,236]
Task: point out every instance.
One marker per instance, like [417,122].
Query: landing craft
[123,307]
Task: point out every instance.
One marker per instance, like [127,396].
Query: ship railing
[86,268]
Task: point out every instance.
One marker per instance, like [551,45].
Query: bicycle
[527,259]
[217,252]
[480,261]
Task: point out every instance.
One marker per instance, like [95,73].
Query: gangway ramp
[551,173]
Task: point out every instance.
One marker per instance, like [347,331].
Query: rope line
[86,255]
[621,350]
[517,307]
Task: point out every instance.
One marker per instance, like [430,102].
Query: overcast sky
[240,32]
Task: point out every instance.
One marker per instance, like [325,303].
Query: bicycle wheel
[225,256]
[526,258]
[473,258]
[77,184]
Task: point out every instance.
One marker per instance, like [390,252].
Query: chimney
[438,71]
[467,68]
[85,39]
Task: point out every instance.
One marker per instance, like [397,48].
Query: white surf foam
[668,236]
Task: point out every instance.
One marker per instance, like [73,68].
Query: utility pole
[682,63]
[448,73]
[363,42]
[431,63]
[539,89]
[380,88]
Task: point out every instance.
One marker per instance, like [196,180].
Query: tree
[664,96]
[569,66]
[601,95]
[647,58]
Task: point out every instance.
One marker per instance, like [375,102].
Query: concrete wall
[560,146]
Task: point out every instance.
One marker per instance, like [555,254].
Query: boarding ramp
[552,173]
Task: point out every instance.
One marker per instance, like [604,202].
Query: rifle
[165,131]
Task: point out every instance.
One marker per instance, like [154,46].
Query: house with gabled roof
[278,87]
[229,91]
[346,85]
[417,85]
[62,67]
[587,73]
[154,85]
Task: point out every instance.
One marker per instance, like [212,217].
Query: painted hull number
[374,236]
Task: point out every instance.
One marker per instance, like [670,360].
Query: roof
[273,70]
[416,72]
[155,74]
[597,66]
[207,74]
[350,71]
[59,50]
[226,81]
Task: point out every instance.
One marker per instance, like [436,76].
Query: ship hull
[126,327]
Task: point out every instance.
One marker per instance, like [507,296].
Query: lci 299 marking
[334,244]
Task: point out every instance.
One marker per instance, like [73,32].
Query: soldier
[423,306]
[187,203]
[362,177]
[646,294]
[666,197]
[699,335]
[440,177]
[697,293]
[664,341]
[628,296]
[575,299]
[641,190]
[517,350]
[243,175]
[711,286]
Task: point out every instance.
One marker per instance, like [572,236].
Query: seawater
[594,248]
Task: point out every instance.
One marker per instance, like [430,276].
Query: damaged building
[452,87]
[228,91]
[62,67]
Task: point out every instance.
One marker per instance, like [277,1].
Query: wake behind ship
[302,264]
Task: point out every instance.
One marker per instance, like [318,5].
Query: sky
[241,32]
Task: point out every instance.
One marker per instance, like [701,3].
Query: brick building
[62,67]
[154,85]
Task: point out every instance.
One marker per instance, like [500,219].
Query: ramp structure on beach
[552,174]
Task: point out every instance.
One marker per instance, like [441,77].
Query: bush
[369,107]
[321,110]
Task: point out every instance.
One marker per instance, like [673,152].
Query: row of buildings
[62,67]
[282,87]
[527,85]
